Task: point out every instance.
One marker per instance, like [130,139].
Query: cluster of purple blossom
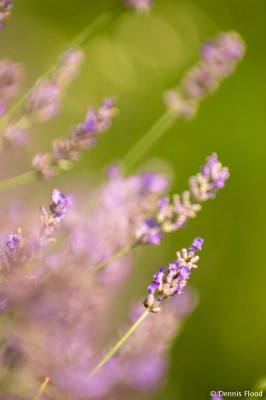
[173,281]
[44,100]
[82,136]
[218,60]
[19,250]
[172,216]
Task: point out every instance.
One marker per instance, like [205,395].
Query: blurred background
[136,58]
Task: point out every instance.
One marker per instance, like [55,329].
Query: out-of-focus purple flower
[150,232]
[5,10]
[148,372]
[218,60]
[68,67]
[11,80]
[141,362]
[140,5]
[44,99]
[43,165]
[82,136]
[60,203]
[96,121]
[155,182]
[167,283]
[14,135]
[14,241]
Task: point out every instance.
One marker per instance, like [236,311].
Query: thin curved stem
[120,343]
[115,256]
[160,127]
[42,388]
[18,180]
[125,250]
[95,26]
[106,358]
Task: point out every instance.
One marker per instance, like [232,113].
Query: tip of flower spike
[197,244]
[230,44]
[172,281]
[60,203]
[219,57]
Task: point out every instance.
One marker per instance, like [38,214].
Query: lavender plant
[59,278]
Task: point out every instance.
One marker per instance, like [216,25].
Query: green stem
[160,127]
[18,181]
[101,265]
[120,343]
[42,388]
[95,26]
[115,256]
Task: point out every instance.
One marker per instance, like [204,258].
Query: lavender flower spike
[44,99]
[173,215]
[171,281]
[68,149]
[218,60]
[212,177]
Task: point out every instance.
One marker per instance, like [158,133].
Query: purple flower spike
[174,213]
[218,60]
[212,177]
[44,99]
[68,150]
[167,283]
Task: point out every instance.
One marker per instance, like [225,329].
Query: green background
[222,345]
